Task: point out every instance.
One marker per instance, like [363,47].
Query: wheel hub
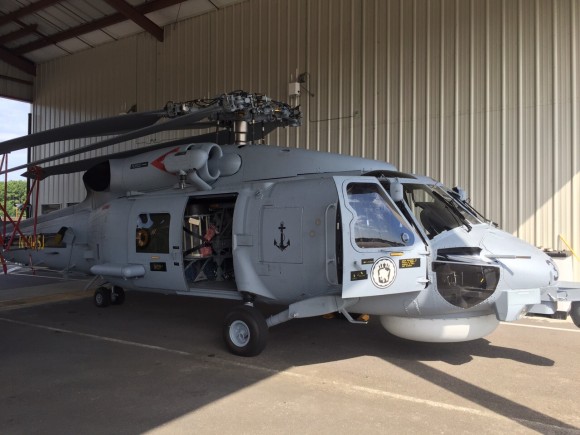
[239,333]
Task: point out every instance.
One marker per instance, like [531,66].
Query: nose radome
[524,266]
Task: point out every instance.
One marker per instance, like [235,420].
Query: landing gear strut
[117,295]
[245,331]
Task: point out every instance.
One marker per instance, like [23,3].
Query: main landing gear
[245,331]
[105,296]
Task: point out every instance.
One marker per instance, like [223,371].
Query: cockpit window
[435,209]
[377,223]
[469,215]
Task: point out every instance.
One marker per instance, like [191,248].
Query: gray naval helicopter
[213,216]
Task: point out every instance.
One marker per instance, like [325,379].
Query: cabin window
[152,235]
[377,223]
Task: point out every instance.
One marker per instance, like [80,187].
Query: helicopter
[218,215]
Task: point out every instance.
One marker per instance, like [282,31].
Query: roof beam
[17,61]
[26,10]
[152,6]
[16,80]
[134,15]
[27,30]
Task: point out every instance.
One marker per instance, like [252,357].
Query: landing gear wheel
[575,313]
[102,297]
[245,331]
[117,295]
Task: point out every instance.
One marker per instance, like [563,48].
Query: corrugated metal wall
[14,83]
[480,93]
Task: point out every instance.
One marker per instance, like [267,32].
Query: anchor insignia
[281,246]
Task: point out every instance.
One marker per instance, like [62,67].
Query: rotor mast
[240,132]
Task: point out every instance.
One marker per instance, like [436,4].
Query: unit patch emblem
[383,272]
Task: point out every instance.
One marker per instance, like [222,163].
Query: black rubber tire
[118,295]
[102,297]
[245,331]
[575,313]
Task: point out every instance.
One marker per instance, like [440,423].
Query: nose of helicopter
[523,266]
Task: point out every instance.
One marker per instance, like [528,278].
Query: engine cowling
[198,165]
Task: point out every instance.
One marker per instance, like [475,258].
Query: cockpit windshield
[436,209]
[378,223]
[468,212]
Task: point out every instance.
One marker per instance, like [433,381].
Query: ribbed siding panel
[14,83]
[480,93]
[93,84]
[574,210]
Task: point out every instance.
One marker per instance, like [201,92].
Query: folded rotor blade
[85,165]
[182,122]
[223,137]
[99,127]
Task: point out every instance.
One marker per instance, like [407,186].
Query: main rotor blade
[99,127]
[223,137]
[182,122]
[85,165]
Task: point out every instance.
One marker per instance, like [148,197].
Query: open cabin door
[207,245]
[381,252]
[156,244]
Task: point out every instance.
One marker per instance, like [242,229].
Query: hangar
[478,93]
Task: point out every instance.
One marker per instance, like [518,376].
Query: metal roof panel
[95,38]
[46,53]
[73,45]
[180,12]
[64,18]
[121,30]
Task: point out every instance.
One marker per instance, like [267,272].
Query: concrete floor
[158,364]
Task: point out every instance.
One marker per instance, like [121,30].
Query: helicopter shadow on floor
[322,340]
[337,338]
[194,325]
